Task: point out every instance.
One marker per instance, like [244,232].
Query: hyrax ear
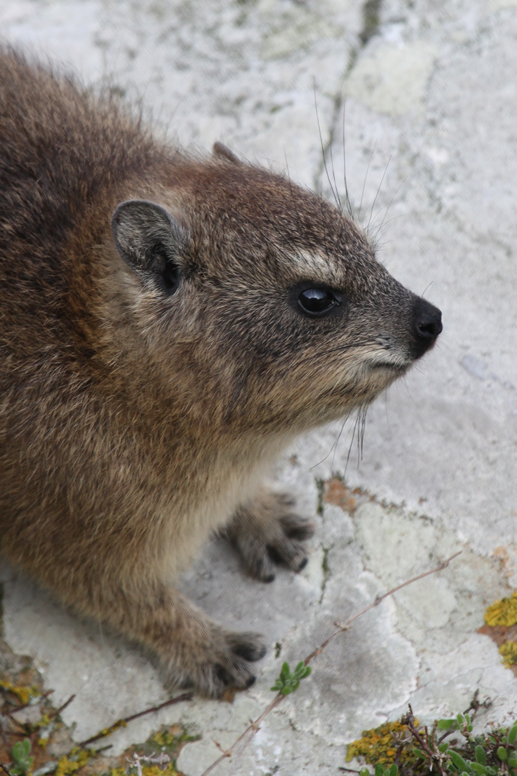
[224,153]
[150,241]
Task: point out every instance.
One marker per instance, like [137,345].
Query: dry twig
[186,696]
[61,708]
[250,731]
[435,756]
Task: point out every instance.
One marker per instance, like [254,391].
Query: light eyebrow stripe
[315,264]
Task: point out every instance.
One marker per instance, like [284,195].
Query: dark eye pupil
[316,301]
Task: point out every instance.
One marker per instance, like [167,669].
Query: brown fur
[150,374]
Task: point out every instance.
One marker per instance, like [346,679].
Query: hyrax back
[167,325]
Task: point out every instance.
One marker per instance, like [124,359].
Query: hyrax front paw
[193,651]
[217,661]
[267,530]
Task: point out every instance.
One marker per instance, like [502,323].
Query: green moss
[320,486]
[371,20]
[324,562]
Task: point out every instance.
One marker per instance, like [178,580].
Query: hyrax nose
[427,325]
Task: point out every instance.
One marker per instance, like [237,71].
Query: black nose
[427,325]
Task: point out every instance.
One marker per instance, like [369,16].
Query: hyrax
[168,324]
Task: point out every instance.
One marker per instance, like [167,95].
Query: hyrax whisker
[370,158]
[387,209]
[334,191]
[377,193]
[348,201]
[334,444]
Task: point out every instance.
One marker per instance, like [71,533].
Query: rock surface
[430,98]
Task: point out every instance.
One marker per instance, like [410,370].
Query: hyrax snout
[168,324]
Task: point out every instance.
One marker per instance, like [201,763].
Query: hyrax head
[264,304]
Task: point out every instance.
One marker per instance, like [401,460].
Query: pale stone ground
[431,101]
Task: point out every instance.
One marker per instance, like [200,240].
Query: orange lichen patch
[503,612]
[335,492]
[381,745]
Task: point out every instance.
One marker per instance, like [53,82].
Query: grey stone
[429,136]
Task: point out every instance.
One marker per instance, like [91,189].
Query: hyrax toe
[247,645]
[297,527]
[255,556]
[267,530]
[227,665]
[288,552]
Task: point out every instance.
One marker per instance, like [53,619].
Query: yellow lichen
[68,766]
[147,770]
[154,770]
[164,738]
[503,612]
[380,745]
[22,692]
[508,652]
[171,738]
[43,721]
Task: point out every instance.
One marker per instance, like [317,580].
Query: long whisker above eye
[335,192]
[377,193]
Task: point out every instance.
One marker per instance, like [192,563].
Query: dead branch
[61,708]
[409,721]
[186,696]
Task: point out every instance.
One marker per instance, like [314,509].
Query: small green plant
[21,758]
[426,751]
[480,754]
[289,682]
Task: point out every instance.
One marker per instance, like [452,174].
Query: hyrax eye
[316,302]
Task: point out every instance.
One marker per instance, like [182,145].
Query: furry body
[155,356]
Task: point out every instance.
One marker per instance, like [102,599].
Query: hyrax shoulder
[167,325]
